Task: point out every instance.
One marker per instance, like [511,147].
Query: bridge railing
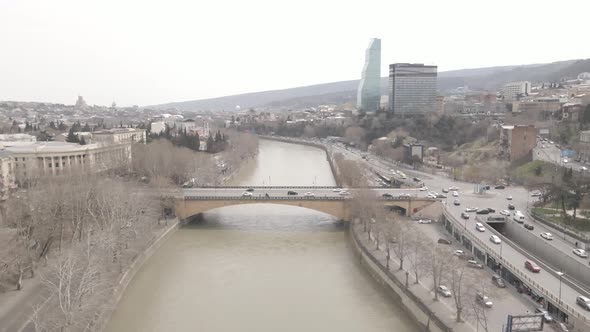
[285,187]
[268,198]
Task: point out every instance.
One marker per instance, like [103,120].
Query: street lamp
[560,274]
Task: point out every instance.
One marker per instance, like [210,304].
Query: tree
[401,248]
[82,141]
[86,128]
[52,125]
[437,260]
[72,137]
[418,251]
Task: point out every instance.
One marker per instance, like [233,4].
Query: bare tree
[461,281]
[417,253]
[402,229]
[437,258]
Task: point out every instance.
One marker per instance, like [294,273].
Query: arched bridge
[328,200]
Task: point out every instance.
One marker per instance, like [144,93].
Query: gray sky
[148,52]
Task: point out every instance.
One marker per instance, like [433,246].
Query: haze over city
[145,53]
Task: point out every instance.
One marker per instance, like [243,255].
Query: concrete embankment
[414,305]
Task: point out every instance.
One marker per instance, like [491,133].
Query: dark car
[445,190]
[250,190]
[491,210]
[511,207]
[387,195]
[499,187]
[444,241]
[456,202]
[464,215]
[529,226]
[483,211]
[417,179]
[291,192]
[496,279]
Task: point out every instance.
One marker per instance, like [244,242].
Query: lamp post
[560,274]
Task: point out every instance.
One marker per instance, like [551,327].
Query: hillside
[490,78]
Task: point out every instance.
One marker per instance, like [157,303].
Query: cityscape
[414,196]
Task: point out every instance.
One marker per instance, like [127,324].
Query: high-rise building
[513,91]
[369,91]
[412,88]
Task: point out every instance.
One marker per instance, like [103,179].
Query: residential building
[369,89]
[157,127]
[7,178]
[571,112]
[412,89]
[513,91]
[518,141]
[584,145]
[119,135]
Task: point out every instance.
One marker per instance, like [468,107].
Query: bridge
[328,200]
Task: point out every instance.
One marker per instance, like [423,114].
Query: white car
[495,239]
[505,213]
[459,253]
[509,198]
[580,252]
[344,193]
[583,168]
[453,188]
[471,209]
[309,194]
[425,221]
[479,227]
[432,193]
[430,196]
[246,194]
[336,190]
[444,291]
[536,194]
[547,236]
[565,161]
[455,194]
[423,188]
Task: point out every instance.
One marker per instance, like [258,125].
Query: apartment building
[518,141]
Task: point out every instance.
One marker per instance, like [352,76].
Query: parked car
[499,187]
[536,194]
[530,265]
[456,202]
[474,264]
[291,192]
[546,316]
[425,221]
[455,194]
[470,209]
[417,179]
[483,211]
[547,236]
[495,239]
[509,198]
[444,241]
[583,302]
[490,210]
[464,215]
[246,194]
[459,253]
[441,196]
[479,227]
[511,207]
[561,327]
[529,226]
[387,195]
[580,252]
[250,190]
[505,213]
[444,291]
[445,190]
[483,300]
[498,281]
[404,196]
[309,194]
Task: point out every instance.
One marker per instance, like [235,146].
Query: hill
[489,78]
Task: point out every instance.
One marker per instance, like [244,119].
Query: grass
[556,217]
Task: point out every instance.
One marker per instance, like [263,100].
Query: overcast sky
[147,52]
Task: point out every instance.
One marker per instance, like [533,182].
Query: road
[283,192]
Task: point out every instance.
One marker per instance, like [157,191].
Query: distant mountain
[490,78]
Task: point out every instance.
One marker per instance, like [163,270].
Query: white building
[119,135]
[7,178]
[157,127]
[17,138]
[512,91]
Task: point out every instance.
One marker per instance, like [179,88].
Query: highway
[283,192]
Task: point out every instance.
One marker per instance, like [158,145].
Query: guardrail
[517,272]
[286,187]
[269,198]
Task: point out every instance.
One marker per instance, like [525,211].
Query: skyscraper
[412,88]
[369,91]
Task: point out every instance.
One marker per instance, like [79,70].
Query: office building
[369,90]
[412,89]
[513,91]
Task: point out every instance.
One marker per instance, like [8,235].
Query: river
[260,267]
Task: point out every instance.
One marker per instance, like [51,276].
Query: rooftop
[34,147]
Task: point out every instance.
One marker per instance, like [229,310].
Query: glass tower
[369,91]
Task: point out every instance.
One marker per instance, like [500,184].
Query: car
[483,300]
[441,196]
[444,291]
[561,327]
[404,196]
[423,188]
[464,215]
[547,236]
[444,241]
[336,190]
[474,264]
[425,221]
[387,195]
[498,281]
[565,161]
[532,266]
[431,196]
[583,302]
[483,211]
[309,194]
[246,194]
[479,227]
[505,213]
[499,187]
[495,239]
[344,193]
[250,190]
[583,168]
[445,190]
[456,202]
[550,142]
[470,209]
[511,207]
[546,316]
[459,252]
[529,226]
[291,192]
[432,193]
[509,198]
[417,179]
[453,188]
[491,210]
[580,252]
[536,194]
[455,194]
